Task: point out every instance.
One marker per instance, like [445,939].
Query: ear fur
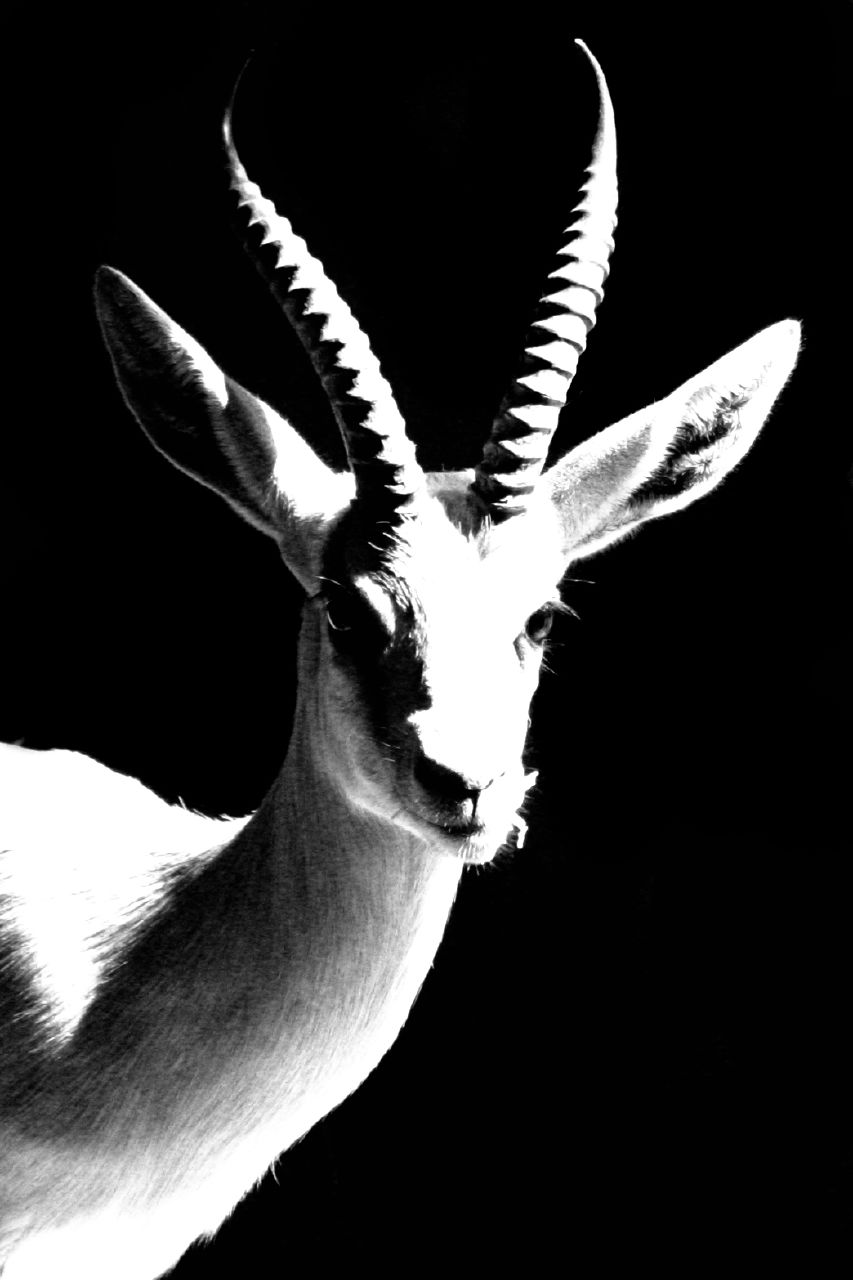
[210,427]
[668,455]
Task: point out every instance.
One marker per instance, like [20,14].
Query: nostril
[441,782]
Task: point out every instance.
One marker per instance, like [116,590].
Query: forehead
[491,574]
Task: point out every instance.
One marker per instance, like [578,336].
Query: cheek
[343,726]
[359,742]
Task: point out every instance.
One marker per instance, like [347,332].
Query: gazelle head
[430,596]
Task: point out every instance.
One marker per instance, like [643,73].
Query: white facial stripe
[473,591]
[382,604]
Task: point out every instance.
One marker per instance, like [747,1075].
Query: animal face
[428,660]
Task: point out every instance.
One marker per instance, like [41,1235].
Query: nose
[445,784]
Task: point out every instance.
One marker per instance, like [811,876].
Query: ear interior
[215,430]
[668,455]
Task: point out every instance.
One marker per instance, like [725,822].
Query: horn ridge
[380,454]
[515,454]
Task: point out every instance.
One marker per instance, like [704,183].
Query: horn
[515,454]
[380,454]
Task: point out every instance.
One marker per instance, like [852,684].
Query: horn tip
[227,134]
[584,47]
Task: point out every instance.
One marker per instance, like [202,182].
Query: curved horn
[380,453]
[515,454]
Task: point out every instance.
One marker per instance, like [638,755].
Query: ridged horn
[381,456]
[521,433]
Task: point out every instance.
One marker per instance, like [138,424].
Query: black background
[637,1029]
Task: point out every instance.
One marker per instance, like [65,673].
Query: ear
[216,431]
[668,455]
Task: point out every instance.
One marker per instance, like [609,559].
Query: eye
[351,622]
[538,625]
[341,611]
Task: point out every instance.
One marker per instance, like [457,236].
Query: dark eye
[341,612]
[351,623]
[538,625]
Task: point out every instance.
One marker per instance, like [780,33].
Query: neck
[362,903]
[348,911]
[277,971]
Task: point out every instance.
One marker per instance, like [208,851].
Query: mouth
[460,820]
[464,835]
[460,827]
[469,839]
[471,831]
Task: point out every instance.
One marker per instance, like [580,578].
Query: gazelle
[184,997]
